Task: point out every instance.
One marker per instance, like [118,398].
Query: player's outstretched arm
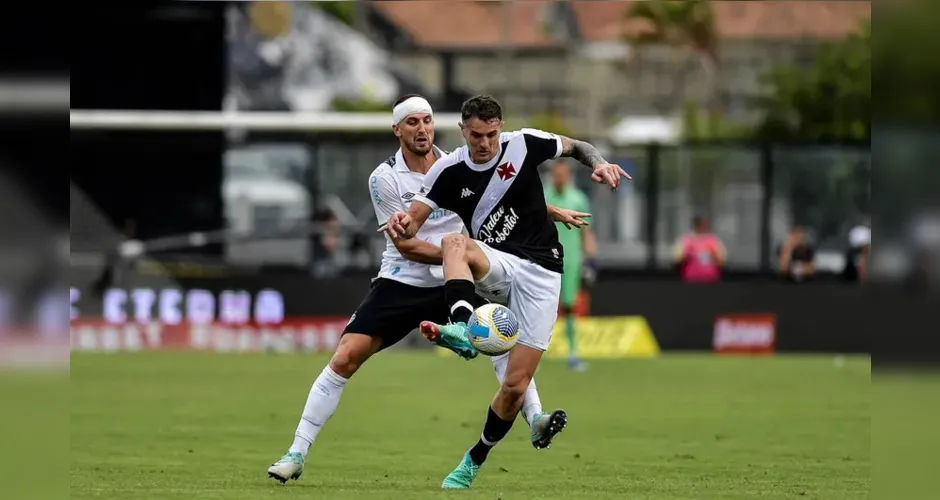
[587,154]
[406,224]
[570,218]
[418,250]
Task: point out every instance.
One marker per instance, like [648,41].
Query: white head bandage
[410,106]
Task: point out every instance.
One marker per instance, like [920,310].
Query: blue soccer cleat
[453,337]
[462,477]
[290,466]
[545,426]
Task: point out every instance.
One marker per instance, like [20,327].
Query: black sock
[459,295]
[494,430]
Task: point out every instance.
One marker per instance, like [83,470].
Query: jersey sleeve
[384,194]
[433,189]
[542,145]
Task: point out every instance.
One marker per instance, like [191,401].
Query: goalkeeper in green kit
[579,249]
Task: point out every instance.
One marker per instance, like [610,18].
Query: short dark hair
[406,97]
[484,107]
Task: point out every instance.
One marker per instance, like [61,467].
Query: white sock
[321,403]
[531,404]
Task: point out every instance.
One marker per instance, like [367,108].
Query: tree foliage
[342,11]
[829,101]
[907,69]
[687,25]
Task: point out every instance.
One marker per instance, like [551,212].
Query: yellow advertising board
[606,337]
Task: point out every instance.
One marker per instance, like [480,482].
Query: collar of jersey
[400,164]
[479,167]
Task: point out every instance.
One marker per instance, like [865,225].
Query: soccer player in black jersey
[492,183]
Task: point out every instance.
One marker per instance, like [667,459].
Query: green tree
[358,106]
[690,177]
[343,11]
[823,187]
[829,101]
[907,63]
[686,25]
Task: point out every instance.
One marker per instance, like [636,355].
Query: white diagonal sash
[514,154]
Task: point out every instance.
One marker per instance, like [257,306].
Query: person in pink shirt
[699,255]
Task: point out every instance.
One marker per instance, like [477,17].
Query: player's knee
[347,359]
[344,365]
[515,384]
[454,244]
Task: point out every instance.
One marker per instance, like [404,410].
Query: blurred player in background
[580,249]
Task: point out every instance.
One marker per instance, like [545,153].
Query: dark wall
[820,317]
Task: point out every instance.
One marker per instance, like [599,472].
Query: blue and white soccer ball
[494,329]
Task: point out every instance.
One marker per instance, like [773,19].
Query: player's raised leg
[533,297]
[353,350]
[542,426]
[464,263]
[523,361]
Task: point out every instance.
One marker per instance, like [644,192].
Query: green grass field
[201,426]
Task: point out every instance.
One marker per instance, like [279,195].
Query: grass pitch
[206,426]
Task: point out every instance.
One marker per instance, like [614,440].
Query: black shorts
[393,309]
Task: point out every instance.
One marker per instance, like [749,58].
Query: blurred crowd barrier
[291,312]
[296,198]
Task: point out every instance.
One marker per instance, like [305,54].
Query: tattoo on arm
[582,151]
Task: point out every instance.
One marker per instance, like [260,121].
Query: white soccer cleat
[290,466]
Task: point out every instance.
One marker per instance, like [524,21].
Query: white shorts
[533,293]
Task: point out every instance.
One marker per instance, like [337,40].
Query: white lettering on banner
[200,306]
[269,307]
[196,306]
[143,299]
[170,301]
[74,296]
[743,335]
[246,338]
[318,335]
[234,307]
[50,316]
[114,300]
[114,338]
[47,311]
[489,233]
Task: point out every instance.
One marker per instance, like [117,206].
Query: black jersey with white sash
[502,201]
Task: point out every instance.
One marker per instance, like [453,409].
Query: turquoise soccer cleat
[545,426]
[290,466]
[452,336]
[462,477]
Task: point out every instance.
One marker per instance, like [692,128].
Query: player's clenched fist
[608,173]
[399,225]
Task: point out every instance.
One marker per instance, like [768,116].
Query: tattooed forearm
[582,151]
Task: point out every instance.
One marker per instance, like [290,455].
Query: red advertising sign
[314,334]
[745,334]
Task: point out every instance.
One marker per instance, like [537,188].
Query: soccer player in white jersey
[493,184]
[406,291]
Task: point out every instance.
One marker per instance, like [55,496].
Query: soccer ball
[493,329]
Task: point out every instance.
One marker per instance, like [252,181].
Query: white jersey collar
[401,166]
